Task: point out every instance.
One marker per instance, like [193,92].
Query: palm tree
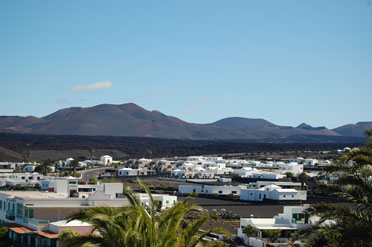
[302,177]
[139,226]
[91,151]
[340,225]
[74,164]
[44,167]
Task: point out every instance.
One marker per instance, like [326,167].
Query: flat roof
[34,194]
[48,234]
[20,229]
[276,227]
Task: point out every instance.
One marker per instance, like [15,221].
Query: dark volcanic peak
[309,127]
[304,126]
[133,120]
[244,123]
[62,113]
[357,129]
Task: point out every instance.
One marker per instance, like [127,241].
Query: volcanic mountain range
[133,120]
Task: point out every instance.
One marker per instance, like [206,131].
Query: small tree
[67,234]
[93,181]
[250,231]
[4,239]
[289,174]
[272,235]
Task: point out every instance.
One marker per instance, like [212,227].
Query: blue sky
[285,61]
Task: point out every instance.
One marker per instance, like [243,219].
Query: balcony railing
[35,222]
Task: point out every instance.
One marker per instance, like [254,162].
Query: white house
[71,188]
[200,167]
[267,175]
[282,184]
[164,201]
[210,189]
[298,160]
[35,213]
[69,161]
[7,167]
[325,163]
[311,162]
[292,219]
[271,192]
[22,179]
[293,167]
[29,168]
[245,172]
[125,172]
[106,160]
[188,189]
[222,190]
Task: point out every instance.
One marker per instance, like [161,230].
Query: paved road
[91,173]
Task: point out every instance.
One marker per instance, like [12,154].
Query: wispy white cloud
[91,87]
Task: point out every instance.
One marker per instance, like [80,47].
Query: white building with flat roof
[267,175]
[211,189]
[189,189]
[29,168]
[282,184]
[30,213]
[272,192]
[7,167]
[127,172]
[292,219]
[293,167]
[164,201]
[311,162]
[21,179]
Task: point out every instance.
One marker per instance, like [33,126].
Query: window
[29,212]
[166,202]
[233,192]
[220,191]
[283,195]
[1,204]
[19,210]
